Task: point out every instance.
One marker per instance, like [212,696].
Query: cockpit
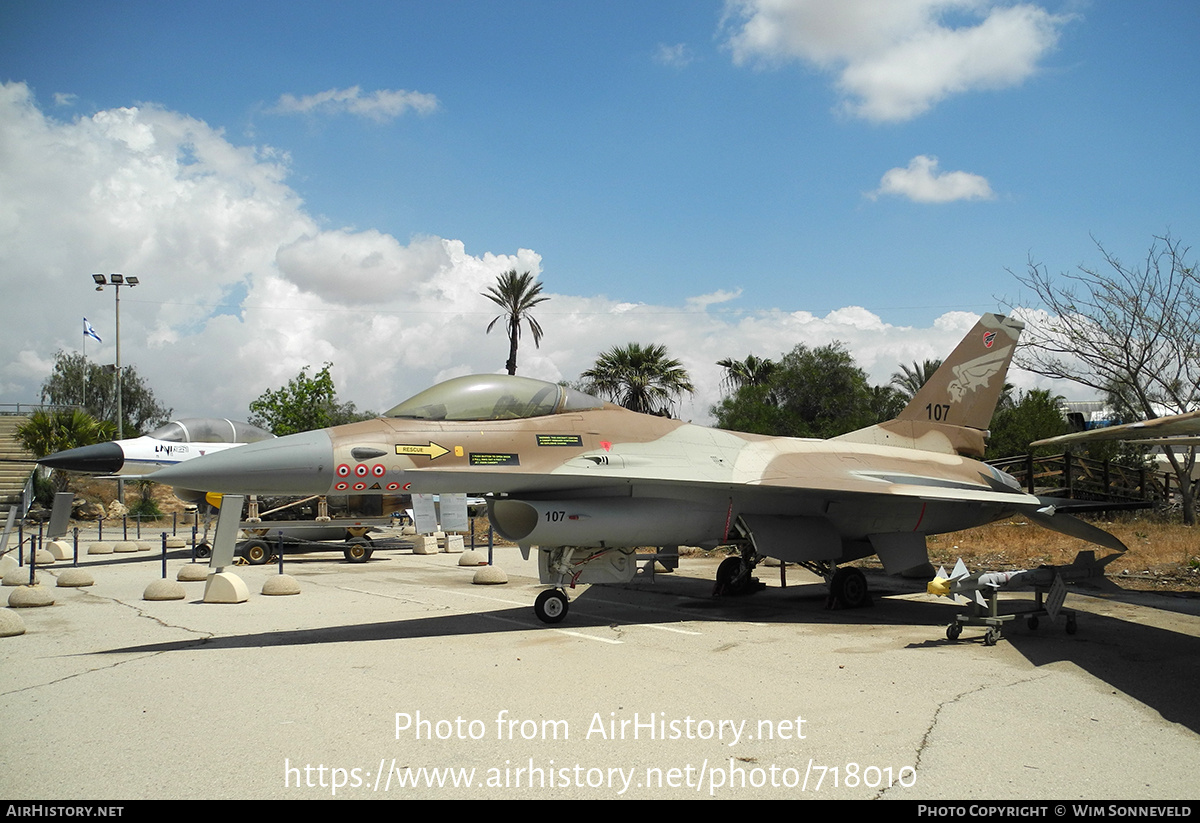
[493,397]
[209,430]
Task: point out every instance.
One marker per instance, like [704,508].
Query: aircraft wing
[1174,430]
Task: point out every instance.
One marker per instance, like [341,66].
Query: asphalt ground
[399,678]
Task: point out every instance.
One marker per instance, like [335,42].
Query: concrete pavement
[399,678]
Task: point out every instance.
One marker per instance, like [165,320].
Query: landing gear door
[792,539]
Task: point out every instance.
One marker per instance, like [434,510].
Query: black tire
[1032,623]
[953,631]
[358,550]
[551,606]
[992,637]
[849,587]
[732,578]
[256,552]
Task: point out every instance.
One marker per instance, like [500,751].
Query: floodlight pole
[116,281]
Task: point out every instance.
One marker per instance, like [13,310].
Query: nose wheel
[551,606]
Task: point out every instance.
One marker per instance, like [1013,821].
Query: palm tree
[753,371]
[909,381]
[47,432]
[516,294]
[641,378]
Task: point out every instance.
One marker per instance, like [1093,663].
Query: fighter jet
[167,445]
[586,481]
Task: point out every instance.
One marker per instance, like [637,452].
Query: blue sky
[339,181]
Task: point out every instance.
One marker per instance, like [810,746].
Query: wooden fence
[1080,478]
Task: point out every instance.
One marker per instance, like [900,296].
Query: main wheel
[732,577]
[849,586]
[550,606]
[256,552]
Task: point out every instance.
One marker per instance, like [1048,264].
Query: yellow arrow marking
[433,451]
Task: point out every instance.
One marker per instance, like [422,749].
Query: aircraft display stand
[989,614]
[221,586]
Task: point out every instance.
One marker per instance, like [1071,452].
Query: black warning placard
[494,459]
[559,440]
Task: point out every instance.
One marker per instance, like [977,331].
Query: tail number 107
[938,411]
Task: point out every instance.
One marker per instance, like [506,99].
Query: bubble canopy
[209,430]
[493,397]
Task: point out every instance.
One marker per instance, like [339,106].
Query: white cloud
[921,182]
[895,59]
[677,56]
[381,105]
[204,224]
[701,302]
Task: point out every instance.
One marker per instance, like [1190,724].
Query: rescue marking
[433,451]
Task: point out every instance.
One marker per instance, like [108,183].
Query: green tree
[516,294]
[1034,415]
[76,381]
[146,507]
[813,392]
[753,371]
[641,378]
[47,432]
[886,403]
[751,409]
[909,381]
[304,404]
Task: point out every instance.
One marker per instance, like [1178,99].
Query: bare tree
[1130,332]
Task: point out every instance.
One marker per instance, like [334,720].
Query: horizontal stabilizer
[1074,527]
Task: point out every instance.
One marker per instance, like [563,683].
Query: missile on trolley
[971,586]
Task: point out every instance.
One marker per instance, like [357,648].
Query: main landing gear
[848,589]
[847,586]
[734,578]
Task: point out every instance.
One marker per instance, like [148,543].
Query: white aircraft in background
[167,445]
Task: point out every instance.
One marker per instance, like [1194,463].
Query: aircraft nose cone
[101,458]
[296,464]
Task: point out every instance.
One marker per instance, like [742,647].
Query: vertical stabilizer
[952,411]
[967,387]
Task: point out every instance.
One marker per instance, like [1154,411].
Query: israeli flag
[88,331]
